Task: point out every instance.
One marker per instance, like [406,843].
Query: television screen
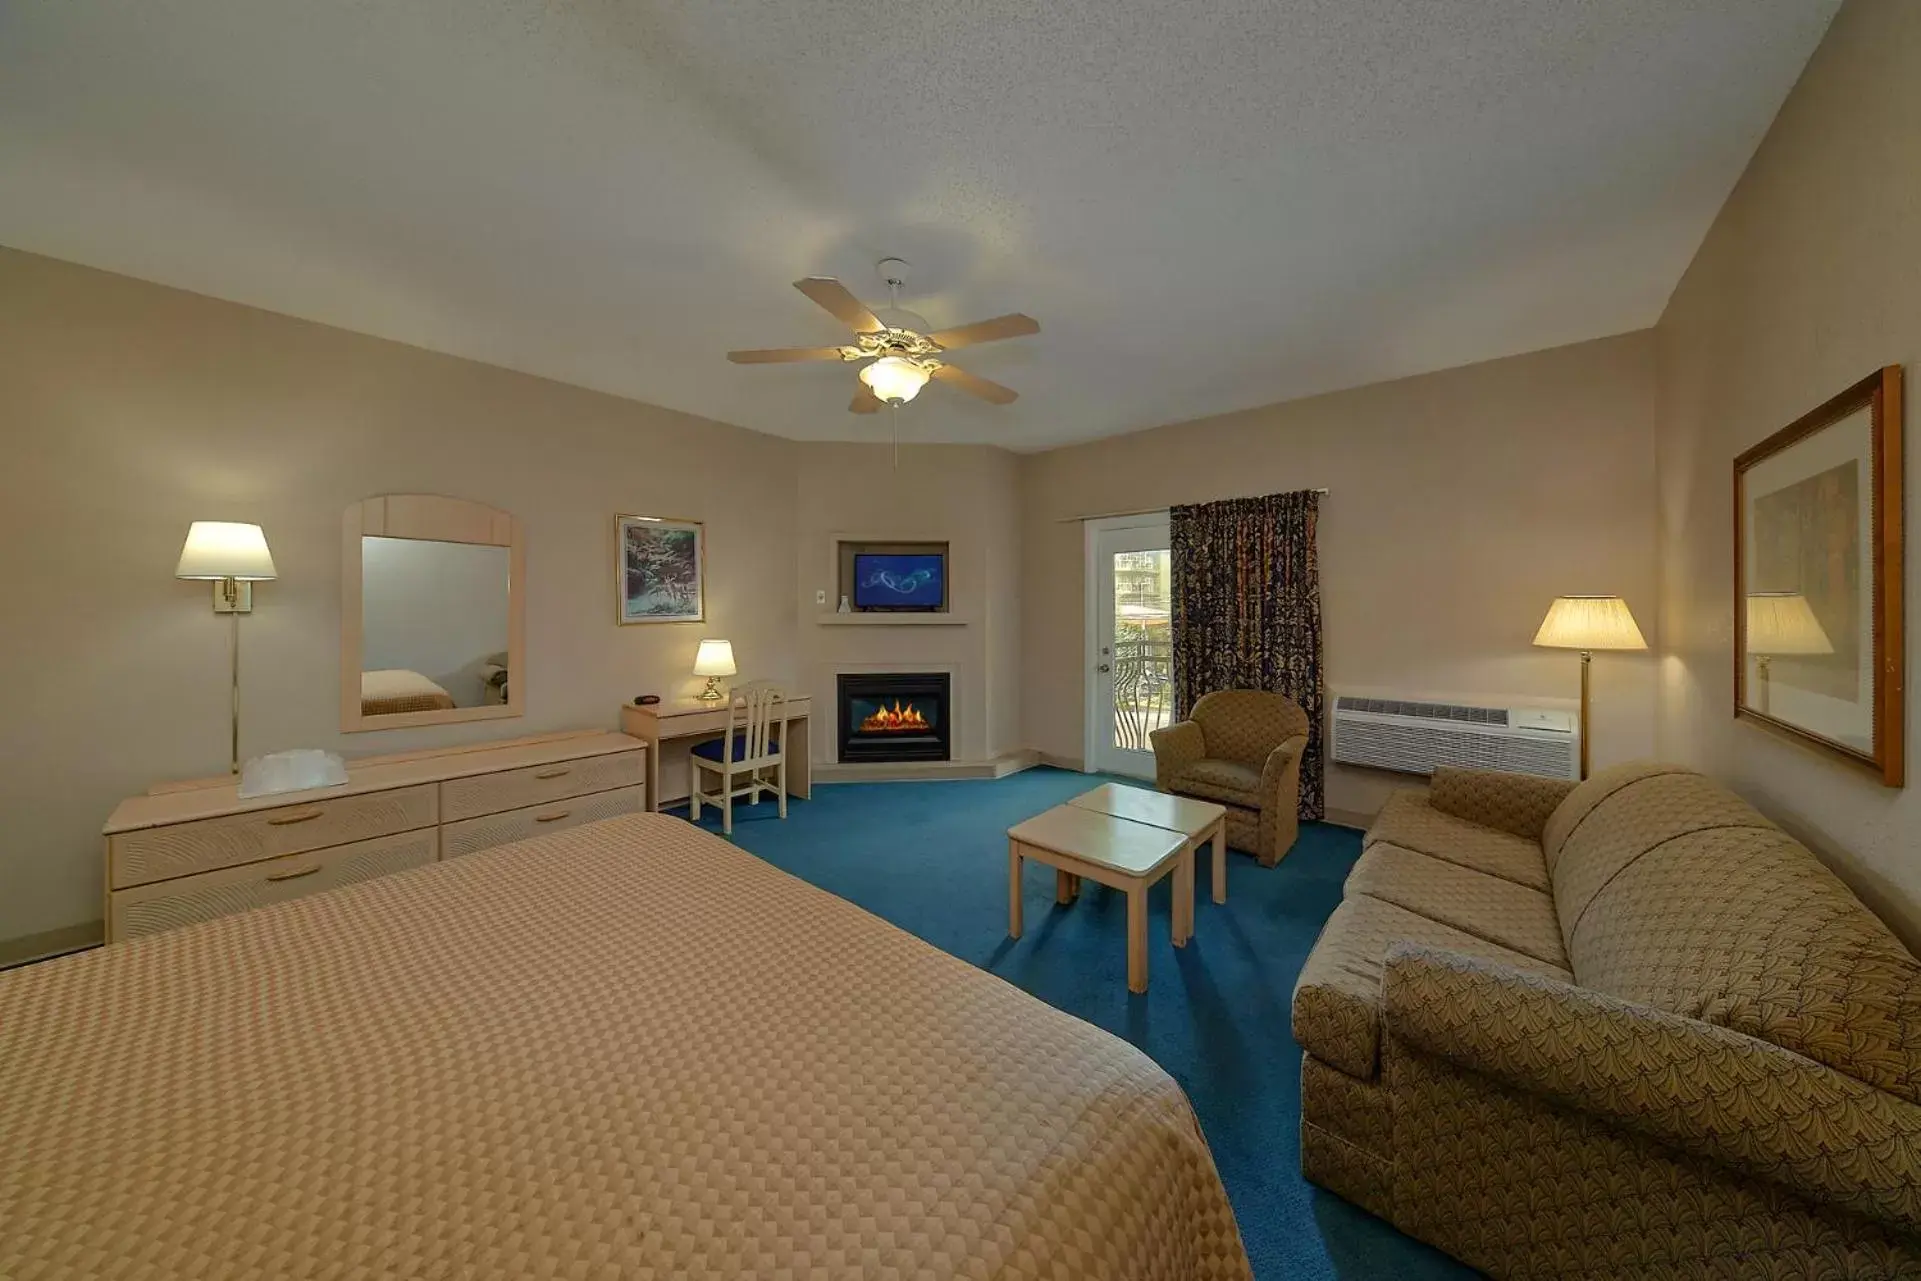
[915,581]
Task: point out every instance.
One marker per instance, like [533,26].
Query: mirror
[432,626]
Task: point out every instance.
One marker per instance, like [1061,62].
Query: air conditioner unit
[1416,737]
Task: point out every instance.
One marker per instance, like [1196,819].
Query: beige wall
[965,495]
[131,410]
[1809,279]
[1461,503]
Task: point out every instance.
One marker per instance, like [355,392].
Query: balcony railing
[1143,690]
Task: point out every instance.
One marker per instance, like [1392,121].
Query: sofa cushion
[1337,1000]
[1520,804]
[1570,813]
[1221,780]
[1485,906]
[1632,820]
[1411,822]
[1742,927]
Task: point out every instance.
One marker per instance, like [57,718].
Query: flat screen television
[909,582]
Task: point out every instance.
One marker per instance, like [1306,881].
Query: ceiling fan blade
[973,385]
[1009,326]
[832,296]
[865,401]
[779,355]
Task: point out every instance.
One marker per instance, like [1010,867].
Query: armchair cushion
[1706,1090]
[1229,782]
[1246,724]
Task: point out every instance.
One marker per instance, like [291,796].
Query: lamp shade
[716,658]
[1589,622]
[894,379]
[225,549]
[1784,623]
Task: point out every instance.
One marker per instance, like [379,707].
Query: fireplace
[895,716]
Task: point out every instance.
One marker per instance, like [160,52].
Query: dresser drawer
[475,834]
[537,784]
[181,849]
[148,909]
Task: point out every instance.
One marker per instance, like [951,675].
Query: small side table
[1115,852]
[1198,821]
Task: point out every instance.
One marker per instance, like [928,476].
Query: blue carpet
[932,858]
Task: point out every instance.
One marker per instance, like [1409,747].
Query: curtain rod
[1148,511]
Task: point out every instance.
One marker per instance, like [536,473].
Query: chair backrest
[758,707]
[1246,724]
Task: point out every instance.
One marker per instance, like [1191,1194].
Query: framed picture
[1818,648]
[659,575]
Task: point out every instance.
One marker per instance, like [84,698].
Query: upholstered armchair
[1241,748]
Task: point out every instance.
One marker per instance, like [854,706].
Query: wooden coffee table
[1198,821]
[1116,852]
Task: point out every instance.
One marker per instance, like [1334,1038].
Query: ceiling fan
[902,350]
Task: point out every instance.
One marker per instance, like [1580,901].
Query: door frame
[1091,530]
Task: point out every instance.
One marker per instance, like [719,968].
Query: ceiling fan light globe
[894,379]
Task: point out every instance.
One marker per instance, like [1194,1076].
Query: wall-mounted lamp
[234,557]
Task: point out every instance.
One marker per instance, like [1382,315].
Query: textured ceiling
[1208,206]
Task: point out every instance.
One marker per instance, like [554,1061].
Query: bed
[393,690]
[628,1049]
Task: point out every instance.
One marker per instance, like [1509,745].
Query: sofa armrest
[1517,803]
[1745,1103]
[1175,748]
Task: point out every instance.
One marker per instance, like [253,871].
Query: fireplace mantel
[893,620]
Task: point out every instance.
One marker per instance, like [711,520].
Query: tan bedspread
[394,690]
[624,1050]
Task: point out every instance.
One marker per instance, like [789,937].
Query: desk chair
[756,733]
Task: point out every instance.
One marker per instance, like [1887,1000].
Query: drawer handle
[294,876]
[288,820]
[562,772]
[551,818]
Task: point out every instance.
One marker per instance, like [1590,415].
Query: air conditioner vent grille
[1428,711]
[1419,736]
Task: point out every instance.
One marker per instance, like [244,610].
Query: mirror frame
[432,518]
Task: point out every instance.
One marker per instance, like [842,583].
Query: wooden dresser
[190,853]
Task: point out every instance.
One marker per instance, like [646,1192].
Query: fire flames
[894,720]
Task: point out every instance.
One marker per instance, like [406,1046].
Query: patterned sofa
[1627,1028]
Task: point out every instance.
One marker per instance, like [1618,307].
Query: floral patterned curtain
[1247,609]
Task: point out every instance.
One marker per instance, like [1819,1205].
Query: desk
[684,719]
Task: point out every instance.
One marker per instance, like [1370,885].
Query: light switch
[820,598]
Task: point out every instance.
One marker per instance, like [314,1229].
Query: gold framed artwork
[1818,531]
[659,570]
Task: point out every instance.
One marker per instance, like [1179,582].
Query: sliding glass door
[1130,650]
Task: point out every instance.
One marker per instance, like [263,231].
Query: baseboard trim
[48,944]
[924,771]
[1062,762]
[1350,818]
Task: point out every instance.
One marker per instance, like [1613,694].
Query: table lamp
[1781,623]
[715,660]
[1588,623]
[234,557]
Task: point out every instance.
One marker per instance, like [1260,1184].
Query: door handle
[1103,668]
